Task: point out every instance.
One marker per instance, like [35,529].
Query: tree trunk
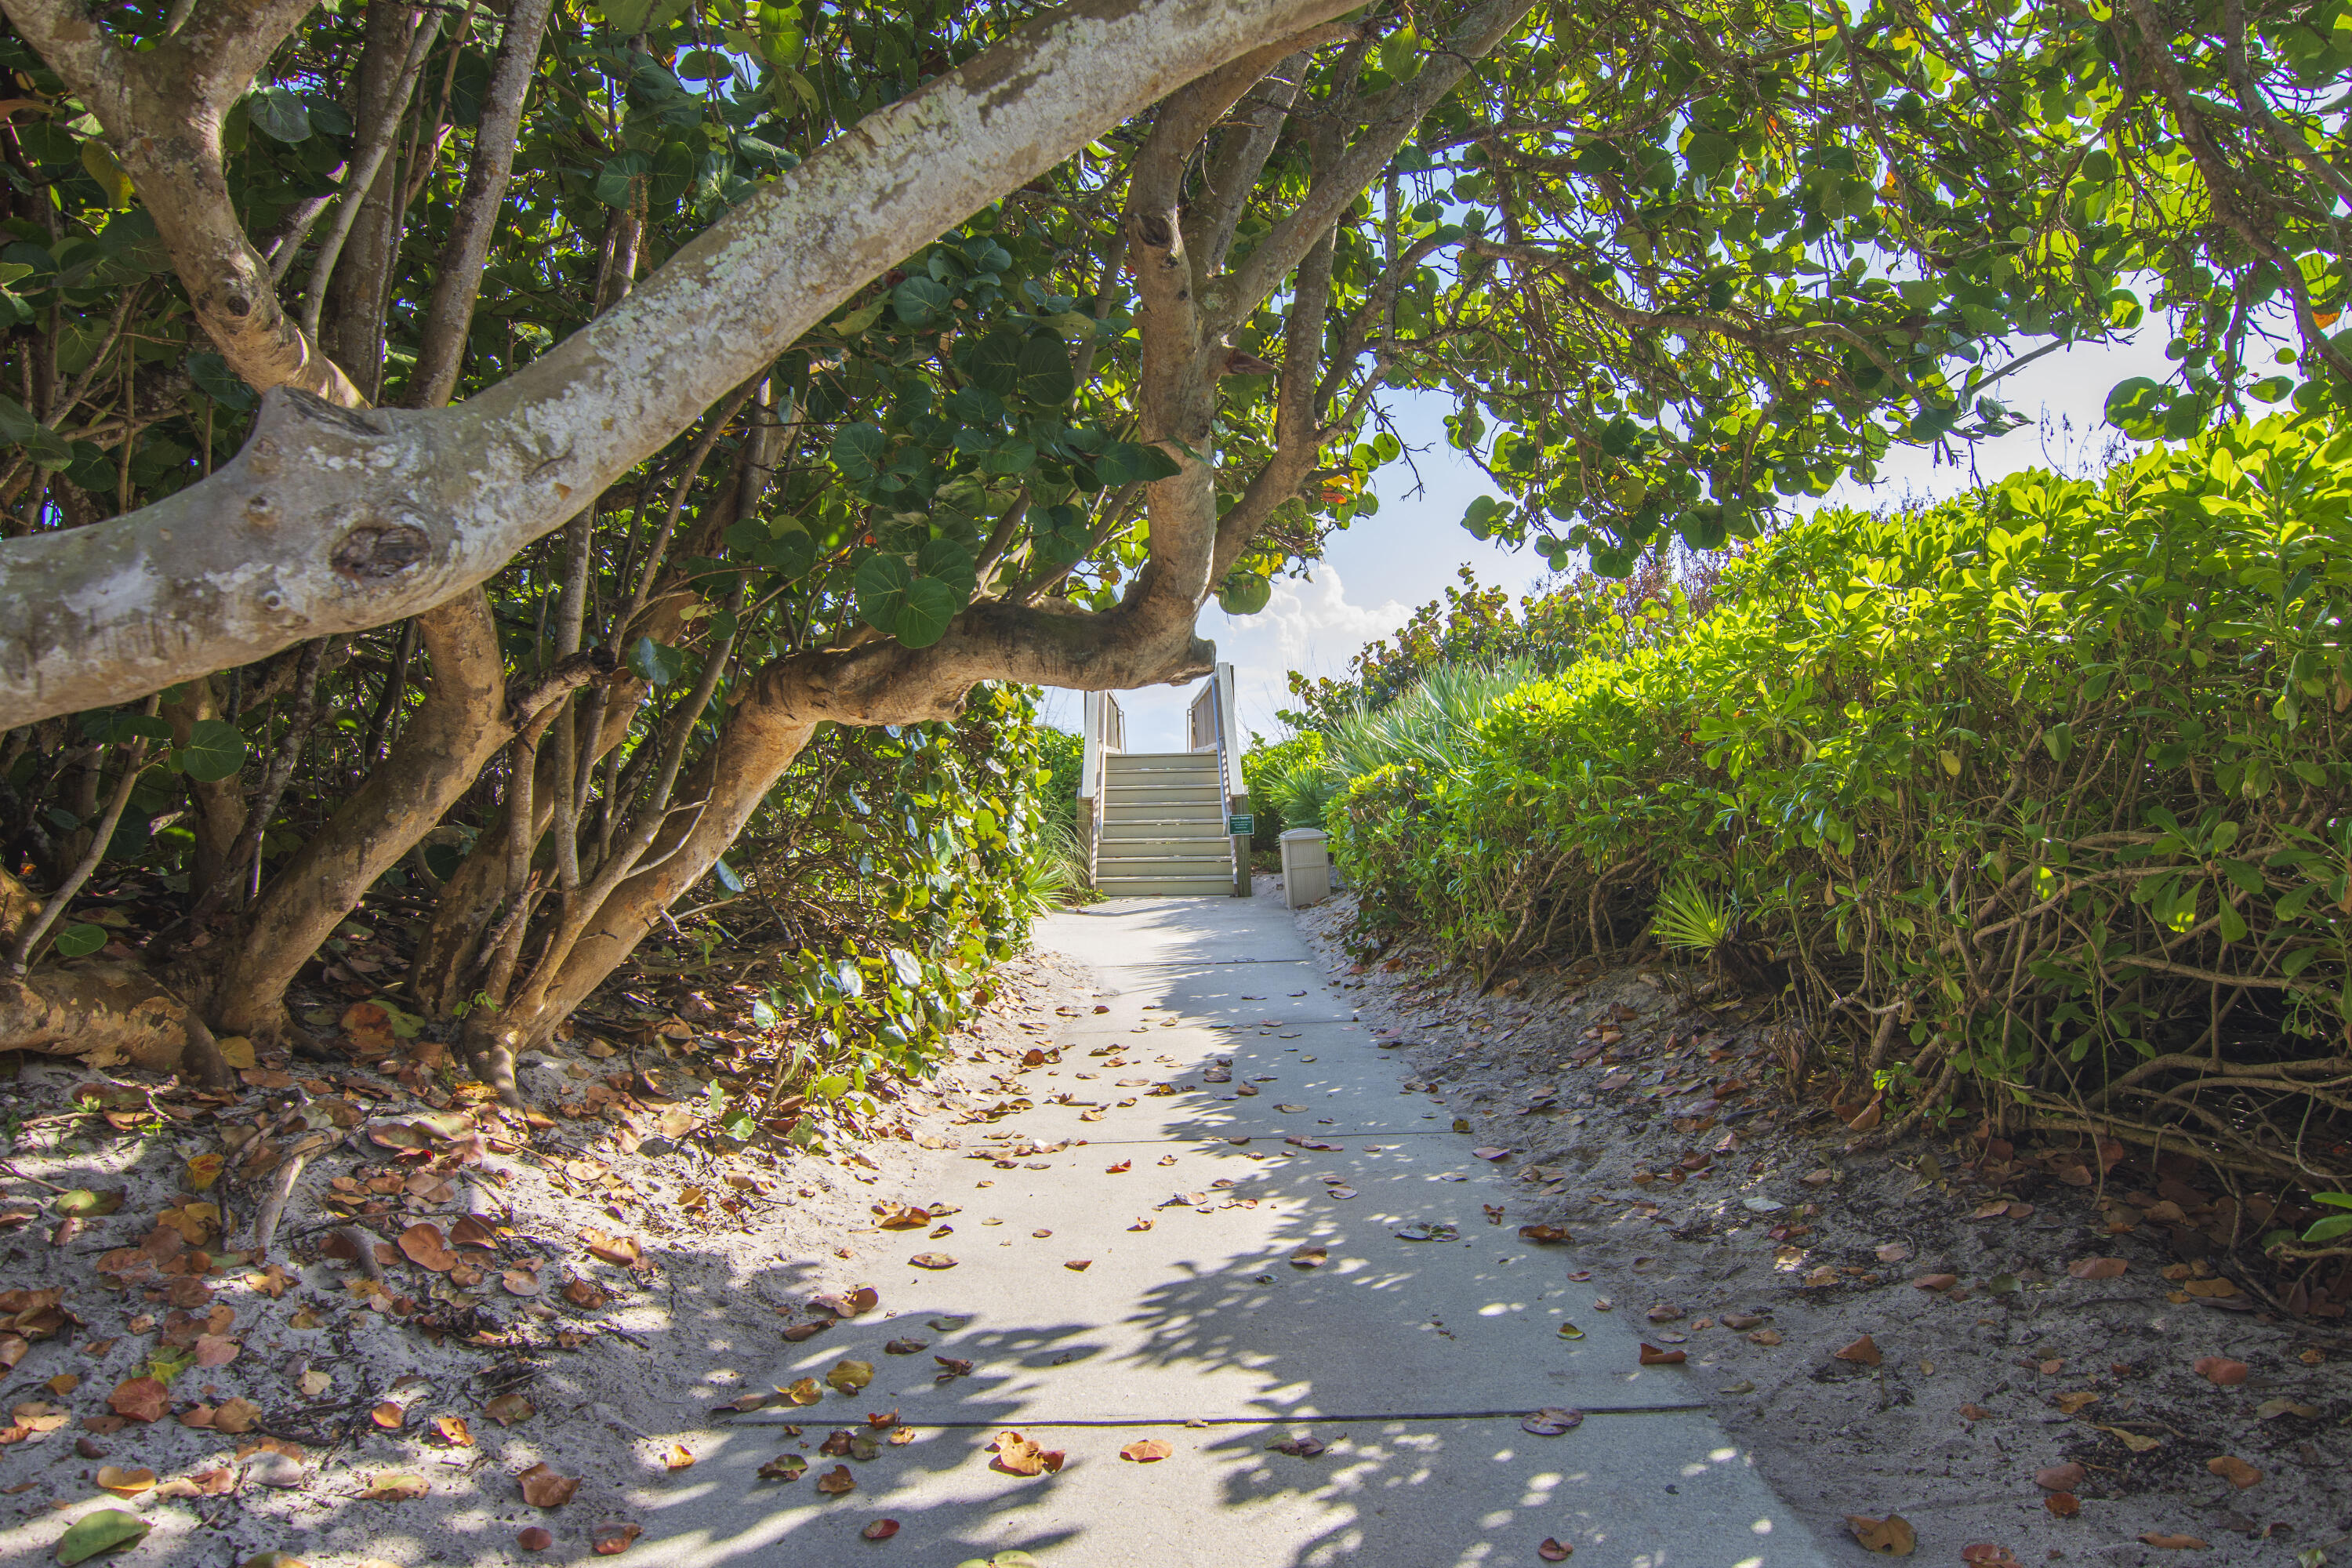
[458,728]
[215,808]
[108,1016]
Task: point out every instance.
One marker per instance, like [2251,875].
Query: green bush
[2045,791]
[1266,772]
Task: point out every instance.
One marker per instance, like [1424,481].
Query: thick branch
[398,511]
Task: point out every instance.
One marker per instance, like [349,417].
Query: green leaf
[1128,462]
[930,604]
[857,450]
[1013,456]
[102,1531]
[214,751]
[2271,388]
[99,162]
[657,664]
[726,877]
[882,582]
[918,299]
[952,564]
[1244,593]
[1480,516]
[80,941]
[616,181]
[44,445]
[2328,1229]
[1045,380]
[213,377]
[279,113]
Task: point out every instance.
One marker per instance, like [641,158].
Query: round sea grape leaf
[80,941]
[882,583]
[102,1531]
[216,751]
[1245,594]
[952,564]
[1045,379]
[279,113]
[930,606]
[918,299]
[857,452]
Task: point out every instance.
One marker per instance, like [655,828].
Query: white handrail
[1104,732]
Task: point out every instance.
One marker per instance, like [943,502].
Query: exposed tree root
[108,1015]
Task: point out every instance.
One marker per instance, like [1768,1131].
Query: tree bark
[333,521]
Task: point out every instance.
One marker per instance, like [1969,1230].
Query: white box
[1306,867]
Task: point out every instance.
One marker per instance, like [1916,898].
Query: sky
[1374,575]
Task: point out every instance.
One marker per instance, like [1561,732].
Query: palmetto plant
[1692,918]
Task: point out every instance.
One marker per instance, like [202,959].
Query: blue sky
[1374,575]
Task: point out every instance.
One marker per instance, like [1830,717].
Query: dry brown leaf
[837,1481]
[2174,1542]
[453,1431]
[236,1417]
[2098,1268]
[2063,1478]
[850,1376]
[537,1538]
[396,1486]
[932,1260]
[2074,1404]
[2234,1470]
[612,1540]
[623,1251]
[2063,1505]
[1653,1356]
[1544,1233]
[1935,1281]
[121,1482]
[1310,1257]
[2272,1409]
[677,1457]
[139,1399]
[1864,1351]
[1017,1455]
[1079,1264]
[1766,1337]
[509,1408]
[1552,1421]
[542,1487]
[1892,1536]
[2220,1371]
[1552,1551]
[1145,1450]
[426,1247]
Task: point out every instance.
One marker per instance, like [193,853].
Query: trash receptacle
[1306,868]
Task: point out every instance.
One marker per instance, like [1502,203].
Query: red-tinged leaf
[537,1538]
[2063,1505]
[1120,1169]
[1653,1356]
[880,1529]
[2220,1371]
[542,1487]
[1145,1451]
[612,1540]
[1864,1351]
[837,1481]
[427,1249]
[1552,1551]
[139,1399]
[1544,1233]
[1935,1281]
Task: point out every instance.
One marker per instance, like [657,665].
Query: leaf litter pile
[1971,1346]
[462,1331]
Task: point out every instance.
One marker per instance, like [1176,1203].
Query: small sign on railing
[1242,826]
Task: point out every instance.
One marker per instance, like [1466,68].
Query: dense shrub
[1268,771]
[2043,792]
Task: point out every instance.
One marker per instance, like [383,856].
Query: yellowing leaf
[204,1171]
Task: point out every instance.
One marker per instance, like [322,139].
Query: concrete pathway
[1412,1360]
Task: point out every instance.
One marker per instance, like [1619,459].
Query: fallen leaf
[509,1408]
[2074,1404]
[2272,1409]
[1298,1448]
[395,1486]
[139,1399]
[880,1529]
[1552,1421]
[542,1487]
[314,1383]
[2234,1470]
[2098,1268]
[537,1538]
[1894,1252]
[612,1540]
[954,1368]
[623,1251]
[850,1376]
[2063,1505]
[932,1260]
[1079,1264]
[2220,1371]
[1119,1169]
[783,1467]
[204,1171]
[677,1457]
[905,1347]
[121,1482]
[2174,1542]
[804,1391]
[1975,1412]
[1653,1356]
[800,1331]
[1985,1554]
[1766,1337]
[1544,1233]
[1310,1258]
[2060,1477]
[236,1417]
[1017,1455]
[2138,1442]
[1935,1281]
[1145,1450]
[1892,1536]
[1552,1551]
[453,1431]
[837,1481]
[102,1531]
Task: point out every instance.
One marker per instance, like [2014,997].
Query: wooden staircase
[1163,830]
[1157,822]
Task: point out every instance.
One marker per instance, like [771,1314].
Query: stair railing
[1105,733]
[1214,710]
